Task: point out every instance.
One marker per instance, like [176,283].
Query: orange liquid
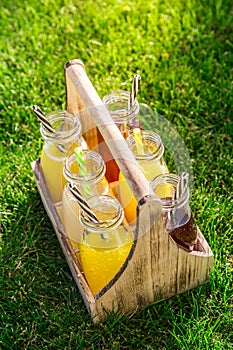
[126,197]
[112,169]
[102,258]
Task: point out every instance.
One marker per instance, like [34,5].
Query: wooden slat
[76,106]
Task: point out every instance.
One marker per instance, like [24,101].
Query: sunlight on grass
[183,52]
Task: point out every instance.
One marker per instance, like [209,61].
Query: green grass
[183,52]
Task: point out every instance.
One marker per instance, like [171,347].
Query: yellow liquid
[165,190]
[52,162]
[71,208]
[126,197]
[102,258]
[76,249]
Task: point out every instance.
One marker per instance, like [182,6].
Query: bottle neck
[122,112]
[153,148]
[94,165]
[165,186]
[67,128]
[108,211]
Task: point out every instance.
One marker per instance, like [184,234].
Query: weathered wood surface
[156,267]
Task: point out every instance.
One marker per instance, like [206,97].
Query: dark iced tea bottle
[176,211]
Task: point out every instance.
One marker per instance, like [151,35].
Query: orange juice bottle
[105,245]
[151,163]
[92,183]
[126,118]
[57,145]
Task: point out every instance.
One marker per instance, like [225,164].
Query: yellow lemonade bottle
[57,145]
[92,183]
[151,163]
[105,245]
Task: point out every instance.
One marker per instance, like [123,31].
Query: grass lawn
[183,51]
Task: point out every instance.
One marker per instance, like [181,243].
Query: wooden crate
[156,268]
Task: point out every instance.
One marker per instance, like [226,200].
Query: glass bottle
[126,118]
[151,163]
[178,218]
[93,183]
[56,147]
[105,245]
[124,115]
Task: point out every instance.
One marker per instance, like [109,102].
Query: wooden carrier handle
[82,96]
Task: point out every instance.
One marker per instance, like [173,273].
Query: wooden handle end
[73,62]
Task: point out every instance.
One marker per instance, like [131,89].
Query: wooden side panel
[157,270]
[76,105]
